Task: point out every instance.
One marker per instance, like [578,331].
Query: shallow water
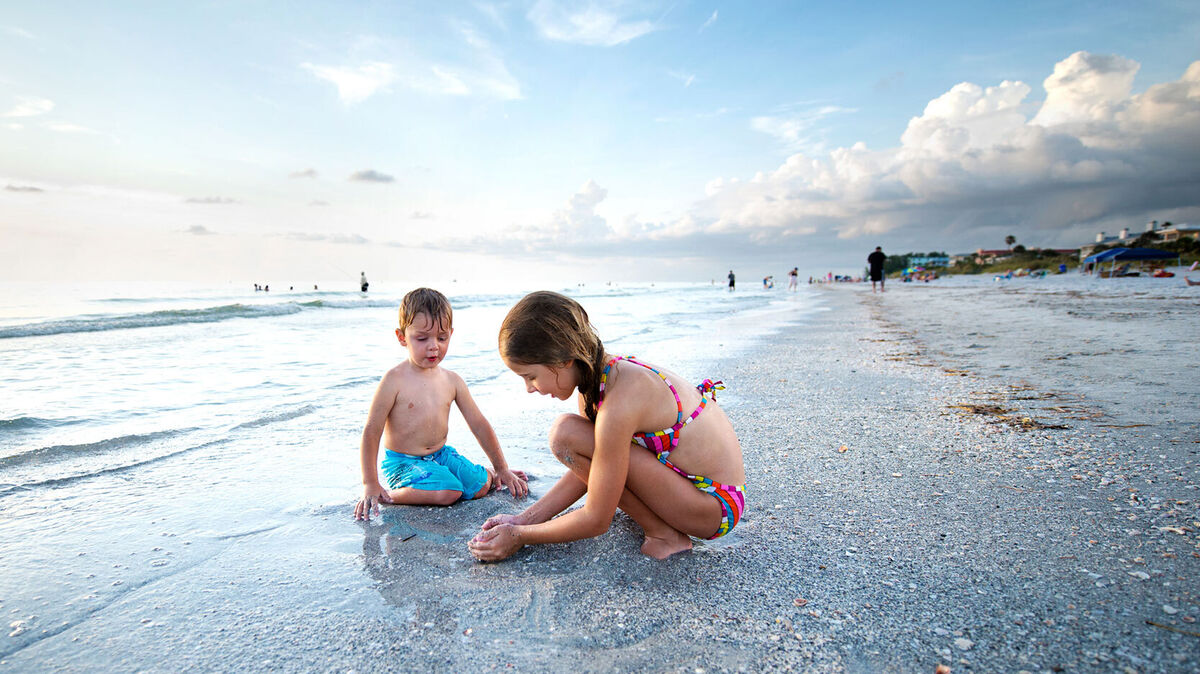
[149,440]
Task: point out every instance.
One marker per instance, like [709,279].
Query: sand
[911,503]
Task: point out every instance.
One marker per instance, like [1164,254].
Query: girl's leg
[665,504]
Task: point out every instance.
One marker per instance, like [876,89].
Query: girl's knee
[569,434]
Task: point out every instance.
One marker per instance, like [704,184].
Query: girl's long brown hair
[547,328]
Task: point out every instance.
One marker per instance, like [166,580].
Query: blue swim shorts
[444,469]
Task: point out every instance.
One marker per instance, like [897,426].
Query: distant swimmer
[362,281]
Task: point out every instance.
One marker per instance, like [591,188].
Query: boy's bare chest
[423,400]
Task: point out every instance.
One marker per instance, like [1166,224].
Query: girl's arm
[561,496]
[615,425]
[483,432]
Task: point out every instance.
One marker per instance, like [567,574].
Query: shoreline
[934,537]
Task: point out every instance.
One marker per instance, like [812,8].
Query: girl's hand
[372,497]
[514,481]
[497,520]
[497,543]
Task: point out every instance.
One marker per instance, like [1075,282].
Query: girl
[645,441]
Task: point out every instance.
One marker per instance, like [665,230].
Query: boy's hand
[515,481]
[495,544]
[372,497]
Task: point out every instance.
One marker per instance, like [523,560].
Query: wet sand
[910,503]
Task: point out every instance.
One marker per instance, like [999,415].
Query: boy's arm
[381,407]
[483,432]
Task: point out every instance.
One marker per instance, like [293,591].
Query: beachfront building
[1125,238]
[1176,232]
[983,256]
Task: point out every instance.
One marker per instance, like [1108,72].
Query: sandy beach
[936,475]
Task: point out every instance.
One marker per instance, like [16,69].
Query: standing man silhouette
[731,279]
[876,261]
[363,280]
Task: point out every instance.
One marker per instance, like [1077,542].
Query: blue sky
[249,140]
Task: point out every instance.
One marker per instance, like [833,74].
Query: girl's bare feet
[661,547]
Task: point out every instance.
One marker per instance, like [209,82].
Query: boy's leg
[411,481]
[413,496]
[476,480]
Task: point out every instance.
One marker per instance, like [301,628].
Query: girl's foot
[663,547]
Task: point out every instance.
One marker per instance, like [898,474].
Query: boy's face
[426,340]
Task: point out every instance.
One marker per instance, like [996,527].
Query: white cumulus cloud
[589,23]
[355,84]
[30,106]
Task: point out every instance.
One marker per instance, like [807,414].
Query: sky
[245,141]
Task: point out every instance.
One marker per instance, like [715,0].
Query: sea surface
[152,433]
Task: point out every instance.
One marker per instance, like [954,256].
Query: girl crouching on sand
[645,441]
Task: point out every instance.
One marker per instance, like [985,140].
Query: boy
[411,411]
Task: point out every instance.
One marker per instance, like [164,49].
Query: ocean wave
[25,423]
[147,320]
[268,419]
[115,455]
[166,317]
[56,453]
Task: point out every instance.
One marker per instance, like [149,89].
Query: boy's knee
[487,485]
[447,497]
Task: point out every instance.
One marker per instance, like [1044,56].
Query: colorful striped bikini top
[662,442]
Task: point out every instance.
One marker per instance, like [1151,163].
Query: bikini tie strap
[710,387]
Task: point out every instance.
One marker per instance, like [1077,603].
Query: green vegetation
[1034,259]
[898,263]
[1021,258]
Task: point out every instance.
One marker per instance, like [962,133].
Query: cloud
[711,20]
[210,200]
[974,160]
[318,202]
[19,32]
[199,230]
[306,173]
[979,162]
[798,130]
[587,23]
[371,176]
[30,106]
[475,69]
[23,188]
[421,215]
[349,239]
[686,78]
[579,219]
[355,84]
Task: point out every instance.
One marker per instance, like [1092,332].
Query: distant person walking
[362,281]
[793,278]
[731,280]
[876,261]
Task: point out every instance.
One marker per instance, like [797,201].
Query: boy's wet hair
[426,301]
[547,328]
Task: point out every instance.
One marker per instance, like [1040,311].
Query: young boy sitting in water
[411,410]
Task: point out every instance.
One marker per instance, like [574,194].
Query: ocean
[150,433]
